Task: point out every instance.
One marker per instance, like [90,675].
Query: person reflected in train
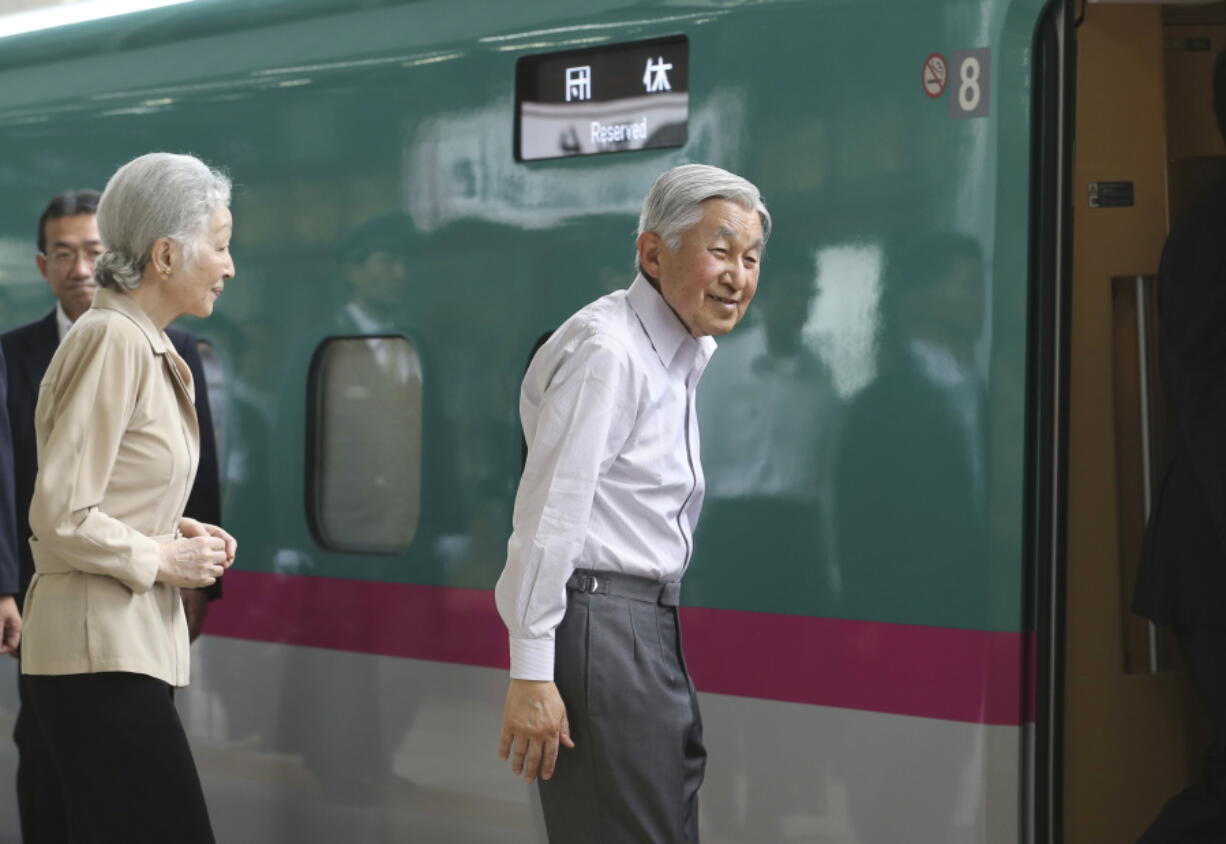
[377,479]
[910,500]
[1181,581]
[604,521]
[106,638]
[242,415]
[68,249]
[373,489]
[922,417]
[376,257]
[368,492]
[768,481]
[766,473]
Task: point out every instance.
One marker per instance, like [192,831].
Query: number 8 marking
[968,92]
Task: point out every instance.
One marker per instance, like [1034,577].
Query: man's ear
[40,260]
[650,246]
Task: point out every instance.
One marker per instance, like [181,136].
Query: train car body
[855,614]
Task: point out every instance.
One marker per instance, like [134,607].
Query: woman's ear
[162,256]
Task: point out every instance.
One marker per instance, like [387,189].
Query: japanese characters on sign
[601,100]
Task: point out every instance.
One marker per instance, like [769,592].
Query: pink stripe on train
[973,676]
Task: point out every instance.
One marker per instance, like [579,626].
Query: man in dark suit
[68,247]
[1182,577]
[10,618]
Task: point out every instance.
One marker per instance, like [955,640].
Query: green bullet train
[906,610]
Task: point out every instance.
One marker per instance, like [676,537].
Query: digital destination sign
[603,99]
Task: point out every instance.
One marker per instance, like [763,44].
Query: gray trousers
[638,760]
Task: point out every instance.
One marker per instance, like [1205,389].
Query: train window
[364,444]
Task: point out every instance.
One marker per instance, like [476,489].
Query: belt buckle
[589,584]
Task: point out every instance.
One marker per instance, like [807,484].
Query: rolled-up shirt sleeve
[575,429]
[84,408]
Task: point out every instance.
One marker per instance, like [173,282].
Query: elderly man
[604,523]
[68,246]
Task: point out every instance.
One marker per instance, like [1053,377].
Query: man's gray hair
[674,202]
[157,195]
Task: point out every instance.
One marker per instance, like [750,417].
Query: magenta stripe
[973,676]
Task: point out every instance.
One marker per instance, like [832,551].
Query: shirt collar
[116,300]
[62,322]
[664,328]
[939,364]
[362,319]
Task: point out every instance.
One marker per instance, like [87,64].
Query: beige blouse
[118,445]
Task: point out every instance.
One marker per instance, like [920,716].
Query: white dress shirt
[776,439]
[62,322]
[613,480]
[394,357]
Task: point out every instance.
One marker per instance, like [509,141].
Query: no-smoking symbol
[935,75]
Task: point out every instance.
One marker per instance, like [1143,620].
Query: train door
[1127,733]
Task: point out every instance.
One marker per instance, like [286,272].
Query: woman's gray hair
[674,202]
[157,195]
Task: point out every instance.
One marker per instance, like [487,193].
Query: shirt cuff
[146,561]
[532,659]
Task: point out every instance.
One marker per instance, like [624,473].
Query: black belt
[625,586]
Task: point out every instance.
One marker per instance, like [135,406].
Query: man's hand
[196,608]
[10,625]
[533,725]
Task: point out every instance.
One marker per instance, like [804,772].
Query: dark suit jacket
[1182,577]
[8,521]
[912,531]
[28,351]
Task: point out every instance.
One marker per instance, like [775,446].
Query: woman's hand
[192,528]
[192,562]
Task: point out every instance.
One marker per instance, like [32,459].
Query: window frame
[312,464]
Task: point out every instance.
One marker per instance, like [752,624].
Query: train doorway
[1127,733]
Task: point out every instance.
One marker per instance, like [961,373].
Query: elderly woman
[105,635]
